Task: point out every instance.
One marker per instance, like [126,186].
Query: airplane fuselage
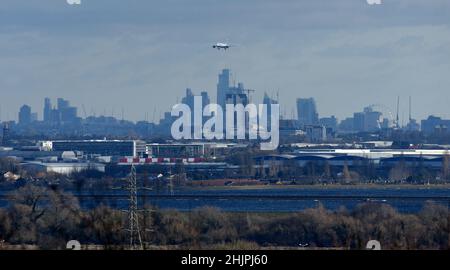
[221,46]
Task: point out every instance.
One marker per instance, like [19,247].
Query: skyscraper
[372,119]
[367,121]
[231,94]
[34,117]
[189,100]
[223,87]
[307,111]
[65,111]
[69,114]
[5,135]
[205,98]
[268,101]
[25,115]
[236,95]
[62,104]
[358,121]
[47,110]
[329,122]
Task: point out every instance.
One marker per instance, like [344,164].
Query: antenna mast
[410,116]
[397,124]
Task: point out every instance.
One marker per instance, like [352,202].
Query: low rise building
[62,167]
[133,148]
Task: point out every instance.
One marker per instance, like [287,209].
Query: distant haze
[140,55]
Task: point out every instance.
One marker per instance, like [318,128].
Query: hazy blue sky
[141,54]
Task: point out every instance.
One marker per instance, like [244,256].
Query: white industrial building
[63,167]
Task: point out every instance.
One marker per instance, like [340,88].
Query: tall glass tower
[47,110]
[307,111]
[223,87]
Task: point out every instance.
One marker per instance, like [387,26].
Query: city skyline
[154,115]
[331,51]
[226,126]
[312,113]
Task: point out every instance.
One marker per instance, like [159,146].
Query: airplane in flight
[219,46]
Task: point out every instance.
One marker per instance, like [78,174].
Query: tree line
[45,218]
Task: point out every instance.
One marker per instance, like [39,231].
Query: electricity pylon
[133,229]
